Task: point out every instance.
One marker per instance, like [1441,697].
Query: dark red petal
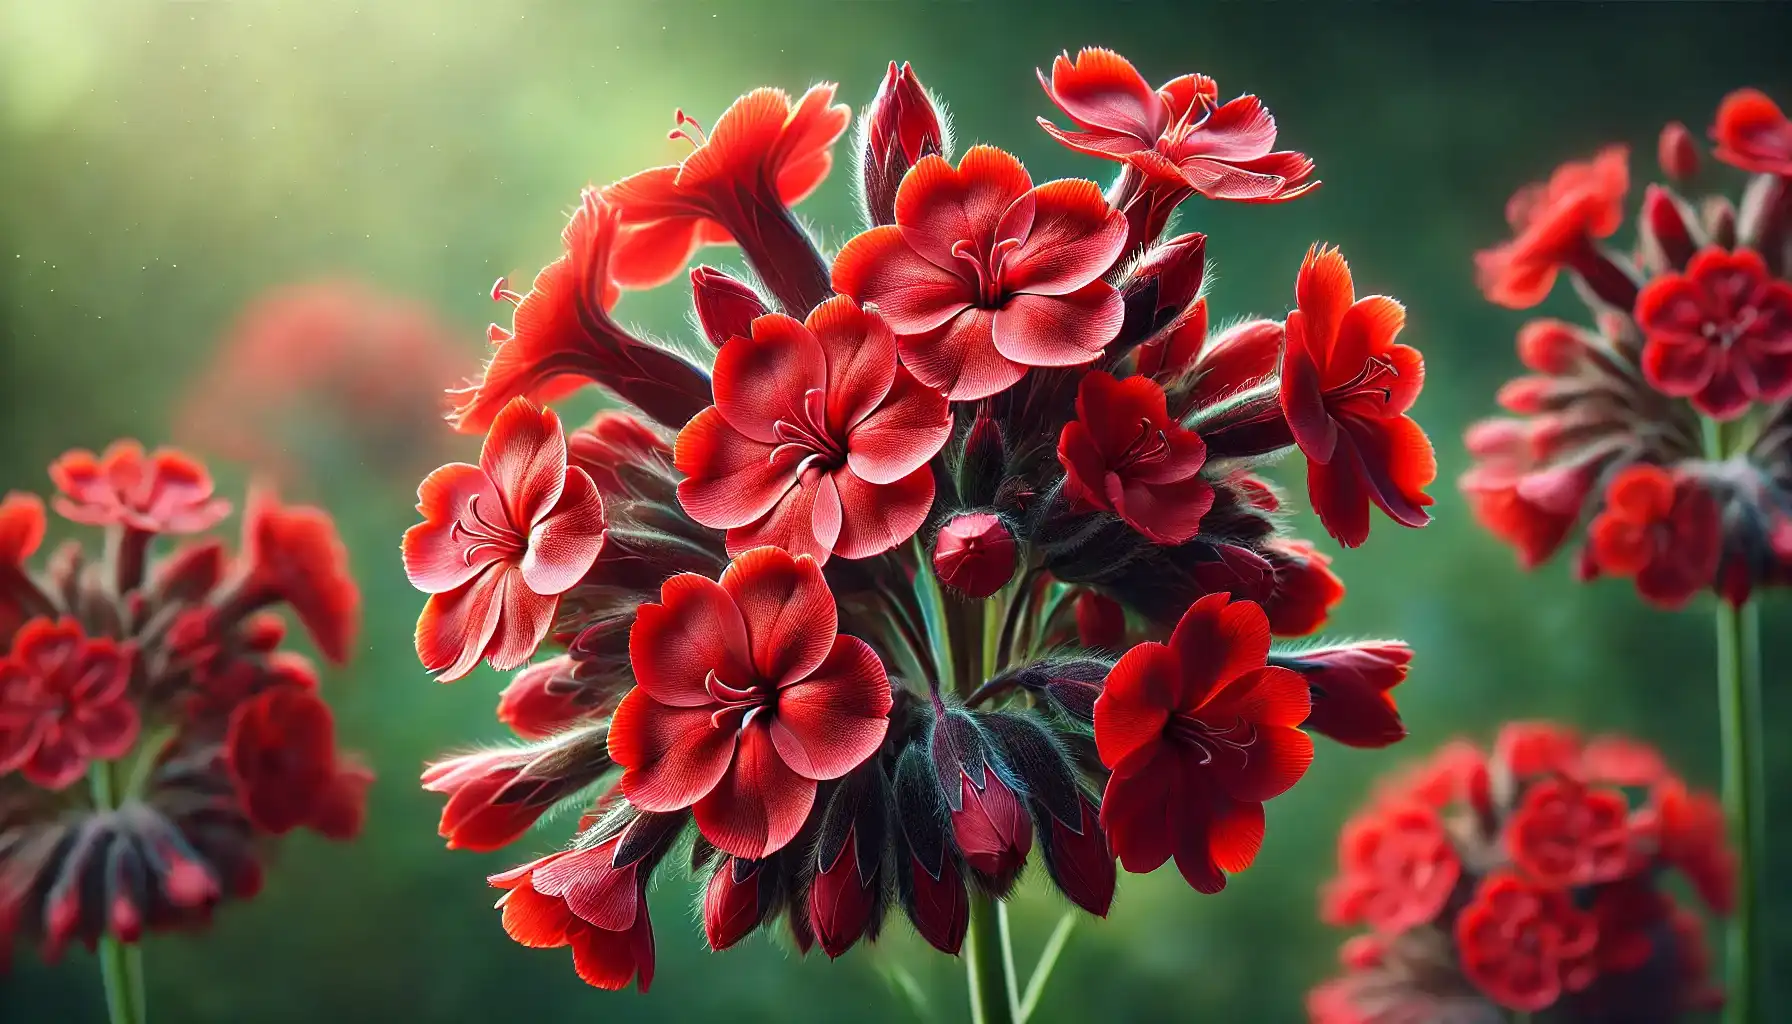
[1166,513]
[831,722]
[1216,642]
[1142,689]
[672,757]
[696,629]
[1142,810]
[762,379]
[760,803]
[1340,497]
[1302,393]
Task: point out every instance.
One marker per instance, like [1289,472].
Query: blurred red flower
[63,702]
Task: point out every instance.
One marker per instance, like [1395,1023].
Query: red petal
[522,624]
[830,723]
[567,540]
[1140,811]
[1368,329]
[434,560]
[1166,513]
[1102,90]
[1075,239]
[1141,691]
[860,352]
[1216,642]
[596,893]
[876,517]
[903,434]
[105,730]
[805,521]
[534,920]
[1340,498]
[1058,330]
[1235,835]
[730,480]
[1324,292]
[760,804]
[788,611]
[672,757]
[694,630]
[456,626]
[938,206]
[911,293]
[525,457]
[960,358]
[761,379]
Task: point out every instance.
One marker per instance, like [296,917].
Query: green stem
[1738,701]
[1048,959]
[987,964]
[121,965]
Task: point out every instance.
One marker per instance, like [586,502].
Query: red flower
[341,808]
[475,818]
[1525,946]
[1719,334]
[983,275]
[762,151]
[974,554]
[561,335]
[583,899]
[1305,590]
[1690,828]
[281,752]
[63,703]
[1100,621]
[1554,224]
[1352,689]
[1663,531]
[498,544]
[1198,734]
[21,527]
[534,708]
[819,440]
[1125,454]
[1346,386]
[1565,834]
[746,697]
[1397,867]
[293,553]
[1179,132]
[168,492]
[1752,133]
[1501,489]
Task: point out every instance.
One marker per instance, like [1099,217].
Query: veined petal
[788,610]
[1058,330]
[831,722]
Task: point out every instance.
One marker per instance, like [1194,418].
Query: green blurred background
[162,163]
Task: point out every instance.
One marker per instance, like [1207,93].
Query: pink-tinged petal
[1324,292]
[876,517]
[1236,834]
[1058,330]
[902,435]
[1076,238]
[831,722]
[805,521]
[525,456]
[1141,810]
[1216,642]
[911,293]
[1166,513]
[760,804]
[567,540]
[960,358]
[104,731]
[788,610]
[1239,130]
[860,352]
[1303,401]
[671,757]
[1101,90]
[1141,691]
[1368,329]
[436,560]
[696,629]
[938,206]
[595,892]
[457,625]
[762,379]
[523,622]
[730,480]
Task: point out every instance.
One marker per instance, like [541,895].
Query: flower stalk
[121,964]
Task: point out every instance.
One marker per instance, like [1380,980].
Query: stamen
[688,129]
[501,292]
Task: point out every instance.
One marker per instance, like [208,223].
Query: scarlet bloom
[499,542]
[1352,689]
[1689,828]
[1178,132]
[1719,334]
[63,702]
[983,275]
[819,440]
[561,336]
[1553,225]
[746,696]
[1346,387]
[21,527]
[1565,834]
[974,554]
[1396,868]
[474,818]
[1198,734]
[1752,133]
[584,899]
[1663,531]
[1524,946]
[1125,454]
[281,752]
[1305,590]
[168,492]
[292,553]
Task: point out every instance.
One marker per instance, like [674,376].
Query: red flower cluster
[845,608]
[161,679]
[1629,426]
[1527,880]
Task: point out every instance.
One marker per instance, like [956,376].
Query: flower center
[986,267]
[1376,377]
[737,705]
[1212,740]
[485,535]
[1737,327]
[1149,448]
[804,438]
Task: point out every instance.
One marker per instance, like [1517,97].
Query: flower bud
[900,127]
[726,307]
[974,554]
[1351,685]
[1080,862]
[992,829]
[1100,622]
[609,444]
[841,899]
[534,707]
[739,894]
[1719,217]
[939,908]
[1305,588]
[1163,284]
[1664,232]
[1550,347]
[1677,152]
[983,464]
[473,818]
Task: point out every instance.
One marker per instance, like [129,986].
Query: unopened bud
[901,126]
[1678,153]
[726,307]
[974,554]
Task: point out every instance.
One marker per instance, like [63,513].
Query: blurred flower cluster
[1662,425]
[957,551]
[159,677]
[1527,880]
